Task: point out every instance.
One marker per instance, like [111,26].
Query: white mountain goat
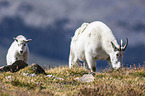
[96,41]
[18,50]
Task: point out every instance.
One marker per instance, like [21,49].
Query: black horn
[125,44]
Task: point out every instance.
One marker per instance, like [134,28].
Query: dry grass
[126,81]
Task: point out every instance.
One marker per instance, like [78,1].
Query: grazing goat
[18,50]
[93,42]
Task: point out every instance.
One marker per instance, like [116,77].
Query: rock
[9,77]
[53,77]
[86,78]
[37,69]
[26,74]
[5,68]
[30,75]
[33,75]
[16,66]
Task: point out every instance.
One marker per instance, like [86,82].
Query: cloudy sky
[121,16]
[126,18]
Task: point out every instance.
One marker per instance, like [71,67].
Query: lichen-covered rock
[86,78]
[16,66]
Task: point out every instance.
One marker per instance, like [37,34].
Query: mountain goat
[18,50]
[96,41]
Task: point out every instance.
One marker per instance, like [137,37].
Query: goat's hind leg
[85,65]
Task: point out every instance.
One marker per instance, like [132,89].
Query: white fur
[94,43]
[18,50]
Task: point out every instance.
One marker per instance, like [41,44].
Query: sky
[126,18]
[38,13]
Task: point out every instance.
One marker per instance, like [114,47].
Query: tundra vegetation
[124,81]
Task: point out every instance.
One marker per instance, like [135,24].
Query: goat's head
[117,56]
[21,45]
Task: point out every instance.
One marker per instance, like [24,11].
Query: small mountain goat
[96,41]
[18,50]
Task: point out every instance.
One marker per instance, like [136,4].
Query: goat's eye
[24,44]
[117,54]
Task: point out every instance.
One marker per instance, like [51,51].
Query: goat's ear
[15,39]
[114,47]
[28,40]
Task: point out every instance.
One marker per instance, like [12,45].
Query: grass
[125,81]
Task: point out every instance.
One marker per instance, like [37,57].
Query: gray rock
[53,77]
[86,78]
[30,75]
[33,75]
[26,74]
[9,77]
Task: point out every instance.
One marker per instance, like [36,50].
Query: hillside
[62,82]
